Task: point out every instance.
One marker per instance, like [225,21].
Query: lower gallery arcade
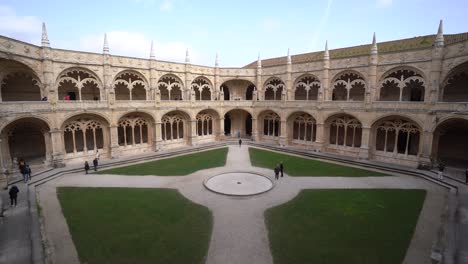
[396,139]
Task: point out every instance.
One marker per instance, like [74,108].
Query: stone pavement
[239,232]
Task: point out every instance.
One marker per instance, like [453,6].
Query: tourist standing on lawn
[240,142]
[13,195]
[86,166]
[95,164]
[281,167]
[277,170]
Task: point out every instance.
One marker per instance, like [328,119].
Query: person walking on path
[24,173]
[95,164]
[28,172]
[13,195]
[277,170]
[86,166]
[281,167]
[240,142]
[440,174]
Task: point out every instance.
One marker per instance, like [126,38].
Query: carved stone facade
[398,104]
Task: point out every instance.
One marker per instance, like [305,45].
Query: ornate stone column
[221,128]
[254,129]
[432,93]
[283,133]
[320,136]
[114,141]
[324,92]
[193,139]
[158,144]
[365,140]
[371,91]
[58,148]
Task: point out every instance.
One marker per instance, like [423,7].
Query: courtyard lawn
[297,166]
[177,166]
[344,226]
[121,225]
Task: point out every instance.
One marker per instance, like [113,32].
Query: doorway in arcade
[238,123]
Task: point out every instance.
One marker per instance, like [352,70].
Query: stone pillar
[320,136]
[365,142]
[425,148]
[221,127]
[3,170]
[58,148]
[254,129]
[372,89]
[107,80]
[283,133]
[158,144]
[114,141]
[193,133]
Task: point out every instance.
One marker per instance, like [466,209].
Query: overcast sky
[237,30]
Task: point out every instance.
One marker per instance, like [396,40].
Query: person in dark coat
[277,170]
[28,172]
[13,195]
[24,173]
[281,167]
[86,166]
[95,164]
[240,142]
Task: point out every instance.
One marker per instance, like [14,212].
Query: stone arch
[306,87]
[18,82]
[273,89]
[454,88]
[207,122]
[450,141]
[342,129]
[248,110]
[78,83]
[395,134]
[348,85]
[202,88]
[402,84]
[269,125]
[238,122]
[171,87]
[301,128]
[84,134]
[19,135]
[130,85]
[135,129]
[175,128]
[93,113]
[236,89]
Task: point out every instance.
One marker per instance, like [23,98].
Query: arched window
[398,136]
[78,84]
[271,125]
[402,85]
[345,131]
[130,86]
[349,86]
[455,86]
[170,88]
[274,89]
[304,128]
[83,135]
[132,131]
[204,124]
[172,127]
[20,86]
[202,89]
[307,88]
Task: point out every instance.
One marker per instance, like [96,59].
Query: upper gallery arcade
[402,101]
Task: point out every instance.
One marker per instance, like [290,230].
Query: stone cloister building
[403,101]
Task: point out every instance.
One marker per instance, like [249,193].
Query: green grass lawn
[181,165]
[297,166]
[344,226]
[122,225]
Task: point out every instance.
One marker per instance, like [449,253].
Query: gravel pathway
[239,232]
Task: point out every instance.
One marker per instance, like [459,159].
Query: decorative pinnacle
[105,50]
[326,54]
[152,56]
[439,41]
[187,56]
[216,60]
[259,61]
[45,40]
[374,49]
[289,57]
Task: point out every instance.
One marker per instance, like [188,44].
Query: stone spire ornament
[289,57]
[105,50]
[152,56]
[187,56]
[259,61]
[45,40]
[326,54]
[216,61]
[439,41]
[374,49]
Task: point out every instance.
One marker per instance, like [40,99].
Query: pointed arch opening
[402,85]
[307,88]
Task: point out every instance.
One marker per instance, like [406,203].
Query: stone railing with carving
[24,107]
[81,105]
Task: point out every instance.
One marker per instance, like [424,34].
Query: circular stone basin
[239,183]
